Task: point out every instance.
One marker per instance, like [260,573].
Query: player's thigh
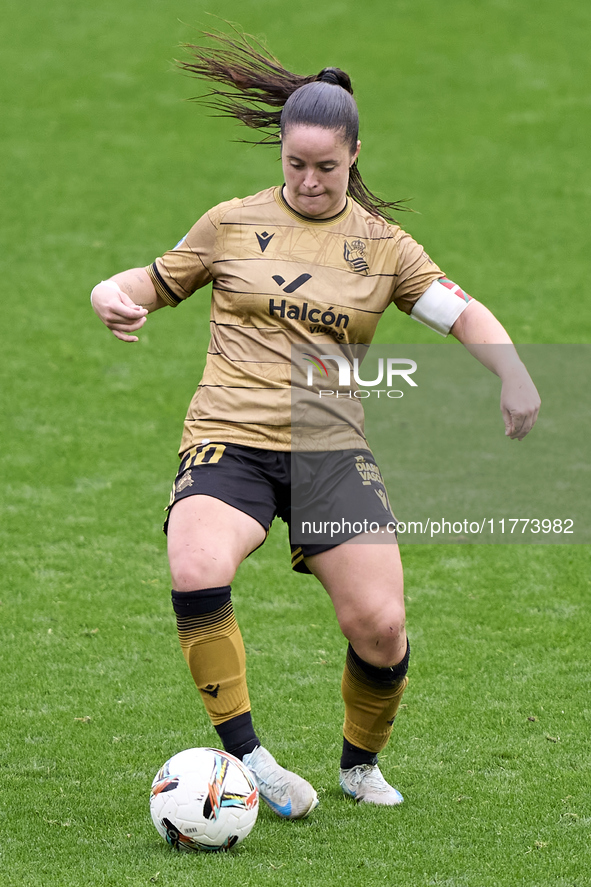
[207,541]
[365,584]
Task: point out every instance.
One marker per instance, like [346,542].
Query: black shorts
[324,498]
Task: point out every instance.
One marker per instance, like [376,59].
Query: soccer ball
[204,799]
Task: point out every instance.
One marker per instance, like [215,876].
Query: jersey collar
[305,220]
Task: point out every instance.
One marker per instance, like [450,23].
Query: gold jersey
[281,279]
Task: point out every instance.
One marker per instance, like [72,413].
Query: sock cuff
[204,600]
[353,755]
[238,735]
[375,674]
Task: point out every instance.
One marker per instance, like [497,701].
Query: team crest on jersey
[354,255]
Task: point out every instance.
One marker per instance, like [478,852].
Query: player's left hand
[520,403]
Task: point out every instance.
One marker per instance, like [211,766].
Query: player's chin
[313,206]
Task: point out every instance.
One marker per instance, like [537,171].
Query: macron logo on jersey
[264,240]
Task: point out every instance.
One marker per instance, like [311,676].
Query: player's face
[316,165]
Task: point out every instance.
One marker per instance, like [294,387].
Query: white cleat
[286,793]
[366,785]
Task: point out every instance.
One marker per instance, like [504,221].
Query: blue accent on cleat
[286,793]
[281,809]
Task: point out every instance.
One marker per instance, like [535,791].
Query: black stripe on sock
[238,736]
[378,675]
[205,600]
[352,756]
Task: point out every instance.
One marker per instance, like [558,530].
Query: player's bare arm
[124,301]
[480,331]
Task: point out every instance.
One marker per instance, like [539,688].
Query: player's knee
[378,636]
[201,569]
[390,638]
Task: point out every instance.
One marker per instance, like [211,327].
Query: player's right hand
[117,311]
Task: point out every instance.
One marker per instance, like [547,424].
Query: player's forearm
[136,282]
[480,331]
[484,337]
[123,302]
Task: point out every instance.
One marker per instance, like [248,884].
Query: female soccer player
[313,262]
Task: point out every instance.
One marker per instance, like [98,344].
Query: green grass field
[480,110]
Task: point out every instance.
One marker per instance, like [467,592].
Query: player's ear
[356,154]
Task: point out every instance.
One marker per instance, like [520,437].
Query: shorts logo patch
[354,255]
[183,482]
[382,497]
[368,472]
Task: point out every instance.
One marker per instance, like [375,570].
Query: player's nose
[310,179]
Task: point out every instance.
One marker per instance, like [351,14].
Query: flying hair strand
[255,88]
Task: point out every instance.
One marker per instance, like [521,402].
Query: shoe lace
[279,784]
[371,776]
[377,780]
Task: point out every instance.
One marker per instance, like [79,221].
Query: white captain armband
[440,305]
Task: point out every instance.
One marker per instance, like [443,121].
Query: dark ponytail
[259,92]
[336,77]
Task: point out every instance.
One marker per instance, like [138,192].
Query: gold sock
[214,651]
[372,696]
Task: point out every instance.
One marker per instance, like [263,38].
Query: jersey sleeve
[415,272]
[186,268]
